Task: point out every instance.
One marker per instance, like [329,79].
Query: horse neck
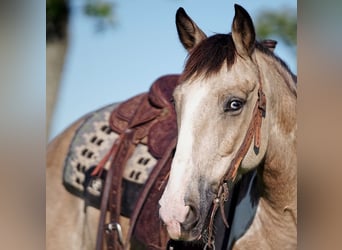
[279,171]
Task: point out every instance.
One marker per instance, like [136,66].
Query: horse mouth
[193,234]
[199,231]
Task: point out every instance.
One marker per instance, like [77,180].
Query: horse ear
[243,32]
[189,33]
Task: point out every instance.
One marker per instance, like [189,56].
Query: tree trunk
[55,56]
[57,13]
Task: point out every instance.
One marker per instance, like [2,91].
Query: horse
[214,99]
[236,112]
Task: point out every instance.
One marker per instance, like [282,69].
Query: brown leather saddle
[147,119]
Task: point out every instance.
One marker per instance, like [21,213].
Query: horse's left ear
[243,32]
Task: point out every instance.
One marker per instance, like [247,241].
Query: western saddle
[148,119]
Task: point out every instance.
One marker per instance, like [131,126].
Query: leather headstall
[253,131]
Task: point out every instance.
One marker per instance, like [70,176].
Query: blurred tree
[280,23]
[57,13]
[57,16]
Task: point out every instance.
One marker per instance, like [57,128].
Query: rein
[228,178]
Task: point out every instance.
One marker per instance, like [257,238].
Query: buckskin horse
[216,146]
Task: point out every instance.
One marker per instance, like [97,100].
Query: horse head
[216,105]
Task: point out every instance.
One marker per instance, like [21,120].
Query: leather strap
[253,131]
[113,236]
[141,117]
[103,210]
[116,169]
[121,151]
[148,185]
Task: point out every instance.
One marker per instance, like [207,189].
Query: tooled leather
[160,135]
[160,93]
[147,118]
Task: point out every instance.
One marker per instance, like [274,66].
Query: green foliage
[56,19]
[101,11]
[57,12]
[98,9]
[55,9]
[282,24]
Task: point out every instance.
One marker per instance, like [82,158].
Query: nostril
[191,218]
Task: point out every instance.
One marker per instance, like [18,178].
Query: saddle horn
[270,44]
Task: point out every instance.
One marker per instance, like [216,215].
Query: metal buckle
[114,226]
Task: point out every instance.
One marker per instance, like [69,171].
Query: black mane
[207,58]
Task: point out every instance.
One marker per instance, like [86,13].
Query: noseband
[228,178]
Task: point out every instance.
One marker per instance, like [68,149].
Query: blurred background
[24,64]
[102,51]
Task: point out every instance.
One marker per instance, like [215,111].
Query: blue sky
[111,66]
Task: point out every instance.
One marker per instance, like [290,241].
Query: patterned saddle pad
[91,142]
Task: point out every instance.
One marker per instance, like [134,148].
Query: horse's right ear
[189,33]
[243,32]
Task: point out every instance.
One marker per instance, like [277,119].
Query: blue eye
[233,104]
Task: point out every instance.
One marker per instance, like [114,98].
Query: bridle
[228,178]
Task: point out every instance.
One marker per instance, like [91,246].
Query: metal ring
[209,246]
[117,227]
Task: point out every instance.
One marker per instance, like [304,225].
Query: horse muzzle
[183,223]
